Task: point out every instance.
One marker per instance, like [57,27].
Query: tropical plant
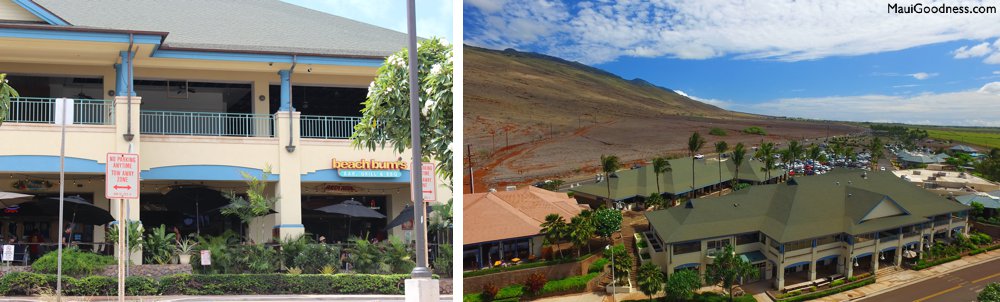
[397,256]
[721,147]
[313,257]
[876,148]
[366,257]
[606,222]
[159,246]
[555,230]
[535,283]
[255,259]
[650,279]
[609,164]
[977,209]
[6,94]
[766,154]
[134,233]
[991,293]
[739,155]
[440,220]
[291,247]
[580,230]
[185,246]
[729,269]
[681,285]
[621,262]
[656,201]
[386,115]
[256,204]
[218,248]
[795,150]
[695,142]
[443,262]
[660,166]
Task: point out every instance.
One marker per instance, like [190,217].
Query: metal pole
[472,176]
[614,282]
[62,195]
[420,271]
[121,250]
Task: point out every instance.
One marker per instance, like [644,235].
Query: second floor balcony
[43,111]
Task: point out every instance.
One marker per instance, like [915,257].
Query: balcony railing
[206,123]
[340,127]
[43,111]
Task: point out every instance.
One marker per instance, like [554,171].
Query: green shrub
[267,284]
[598,265]
[75,262]
[366,257]
[140,286]
[828,292]
[26,284]
[255,259]
[90,286]
[522,266]
[314,257]
[222,256]
[442,263]
[754,130]
[922,264]
[836,283]
[571,284]
[291,248]
[717,132]
[158,247]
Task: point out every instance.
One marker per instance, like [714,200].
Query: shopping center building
[208,91]
[840,224]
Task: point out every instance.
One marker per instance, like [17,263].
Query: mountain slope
[530,116]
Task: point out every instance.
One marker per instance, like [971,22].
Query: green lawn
[990,139]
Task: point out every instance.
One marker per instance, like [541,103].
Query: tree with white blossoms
[386,116]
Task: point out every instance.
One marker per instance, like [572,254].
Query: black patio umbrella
[351,208]
[405,216]
[76,210]
[194,200]
[219,209]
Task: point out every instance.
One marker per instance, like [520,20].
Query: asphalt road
[960,285]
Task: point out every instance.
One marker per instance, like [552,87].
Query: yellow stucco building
[217,89]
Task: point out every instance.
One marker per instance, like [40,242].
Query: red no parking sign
[122,176]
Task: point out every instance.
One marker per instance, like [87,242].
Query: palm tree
[660,166]
[739,154]
[721,147]
[592,229]
[580,231]
[795,150]
[876,149]
[609,164]
[650,279]
[656,201]
[694,144]
[729,269]
[554,229]
[766,153]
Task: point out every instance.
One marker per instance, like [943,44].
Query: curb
[882,291]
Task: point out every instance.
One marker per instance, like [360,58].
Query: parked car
[699,156]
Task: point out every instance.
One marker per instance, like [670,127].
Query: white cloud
[996,72]
[992,53]
[922,75]
[963,108]
[905,86]
[602,31]
[972,52]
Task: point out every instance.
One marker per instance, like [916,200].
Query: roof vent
[689,205]
[850,194]
[511,188]
[850,182]
[838,183]
[736,205]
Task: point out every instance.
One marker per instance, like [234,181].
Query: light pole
[614,289]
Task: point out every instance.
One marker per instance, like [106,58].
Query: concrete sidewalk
[905,277]
[227,298]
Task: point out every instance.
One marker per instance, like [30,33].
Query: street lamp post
[614,281]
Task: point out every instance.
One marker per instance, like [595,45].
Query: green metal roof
[989,200]
[642,181]
[803,208]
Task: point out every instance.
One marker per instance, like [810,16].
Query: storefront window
[687,247]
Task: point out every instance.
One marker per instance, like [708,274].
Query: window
[864,237]
[798,245]
[687,247]
[715,246]
[748,238]
[827,239]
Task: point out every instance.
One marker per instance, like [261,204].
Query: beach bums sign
[369,168]
[122,176]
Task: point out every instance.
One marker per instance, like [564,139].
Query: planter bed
[528,265]
[515,292]
[800,296]
[31,284]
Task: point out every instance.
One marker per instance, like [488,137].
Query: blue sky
[842,60]
[434,17]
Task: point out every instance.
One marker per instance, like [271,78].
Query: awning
[751,257]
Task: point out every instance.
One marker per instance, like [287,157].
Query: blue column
[286,90]
[122,74]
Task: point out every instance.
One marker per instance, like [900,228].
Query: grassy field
[986,138]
